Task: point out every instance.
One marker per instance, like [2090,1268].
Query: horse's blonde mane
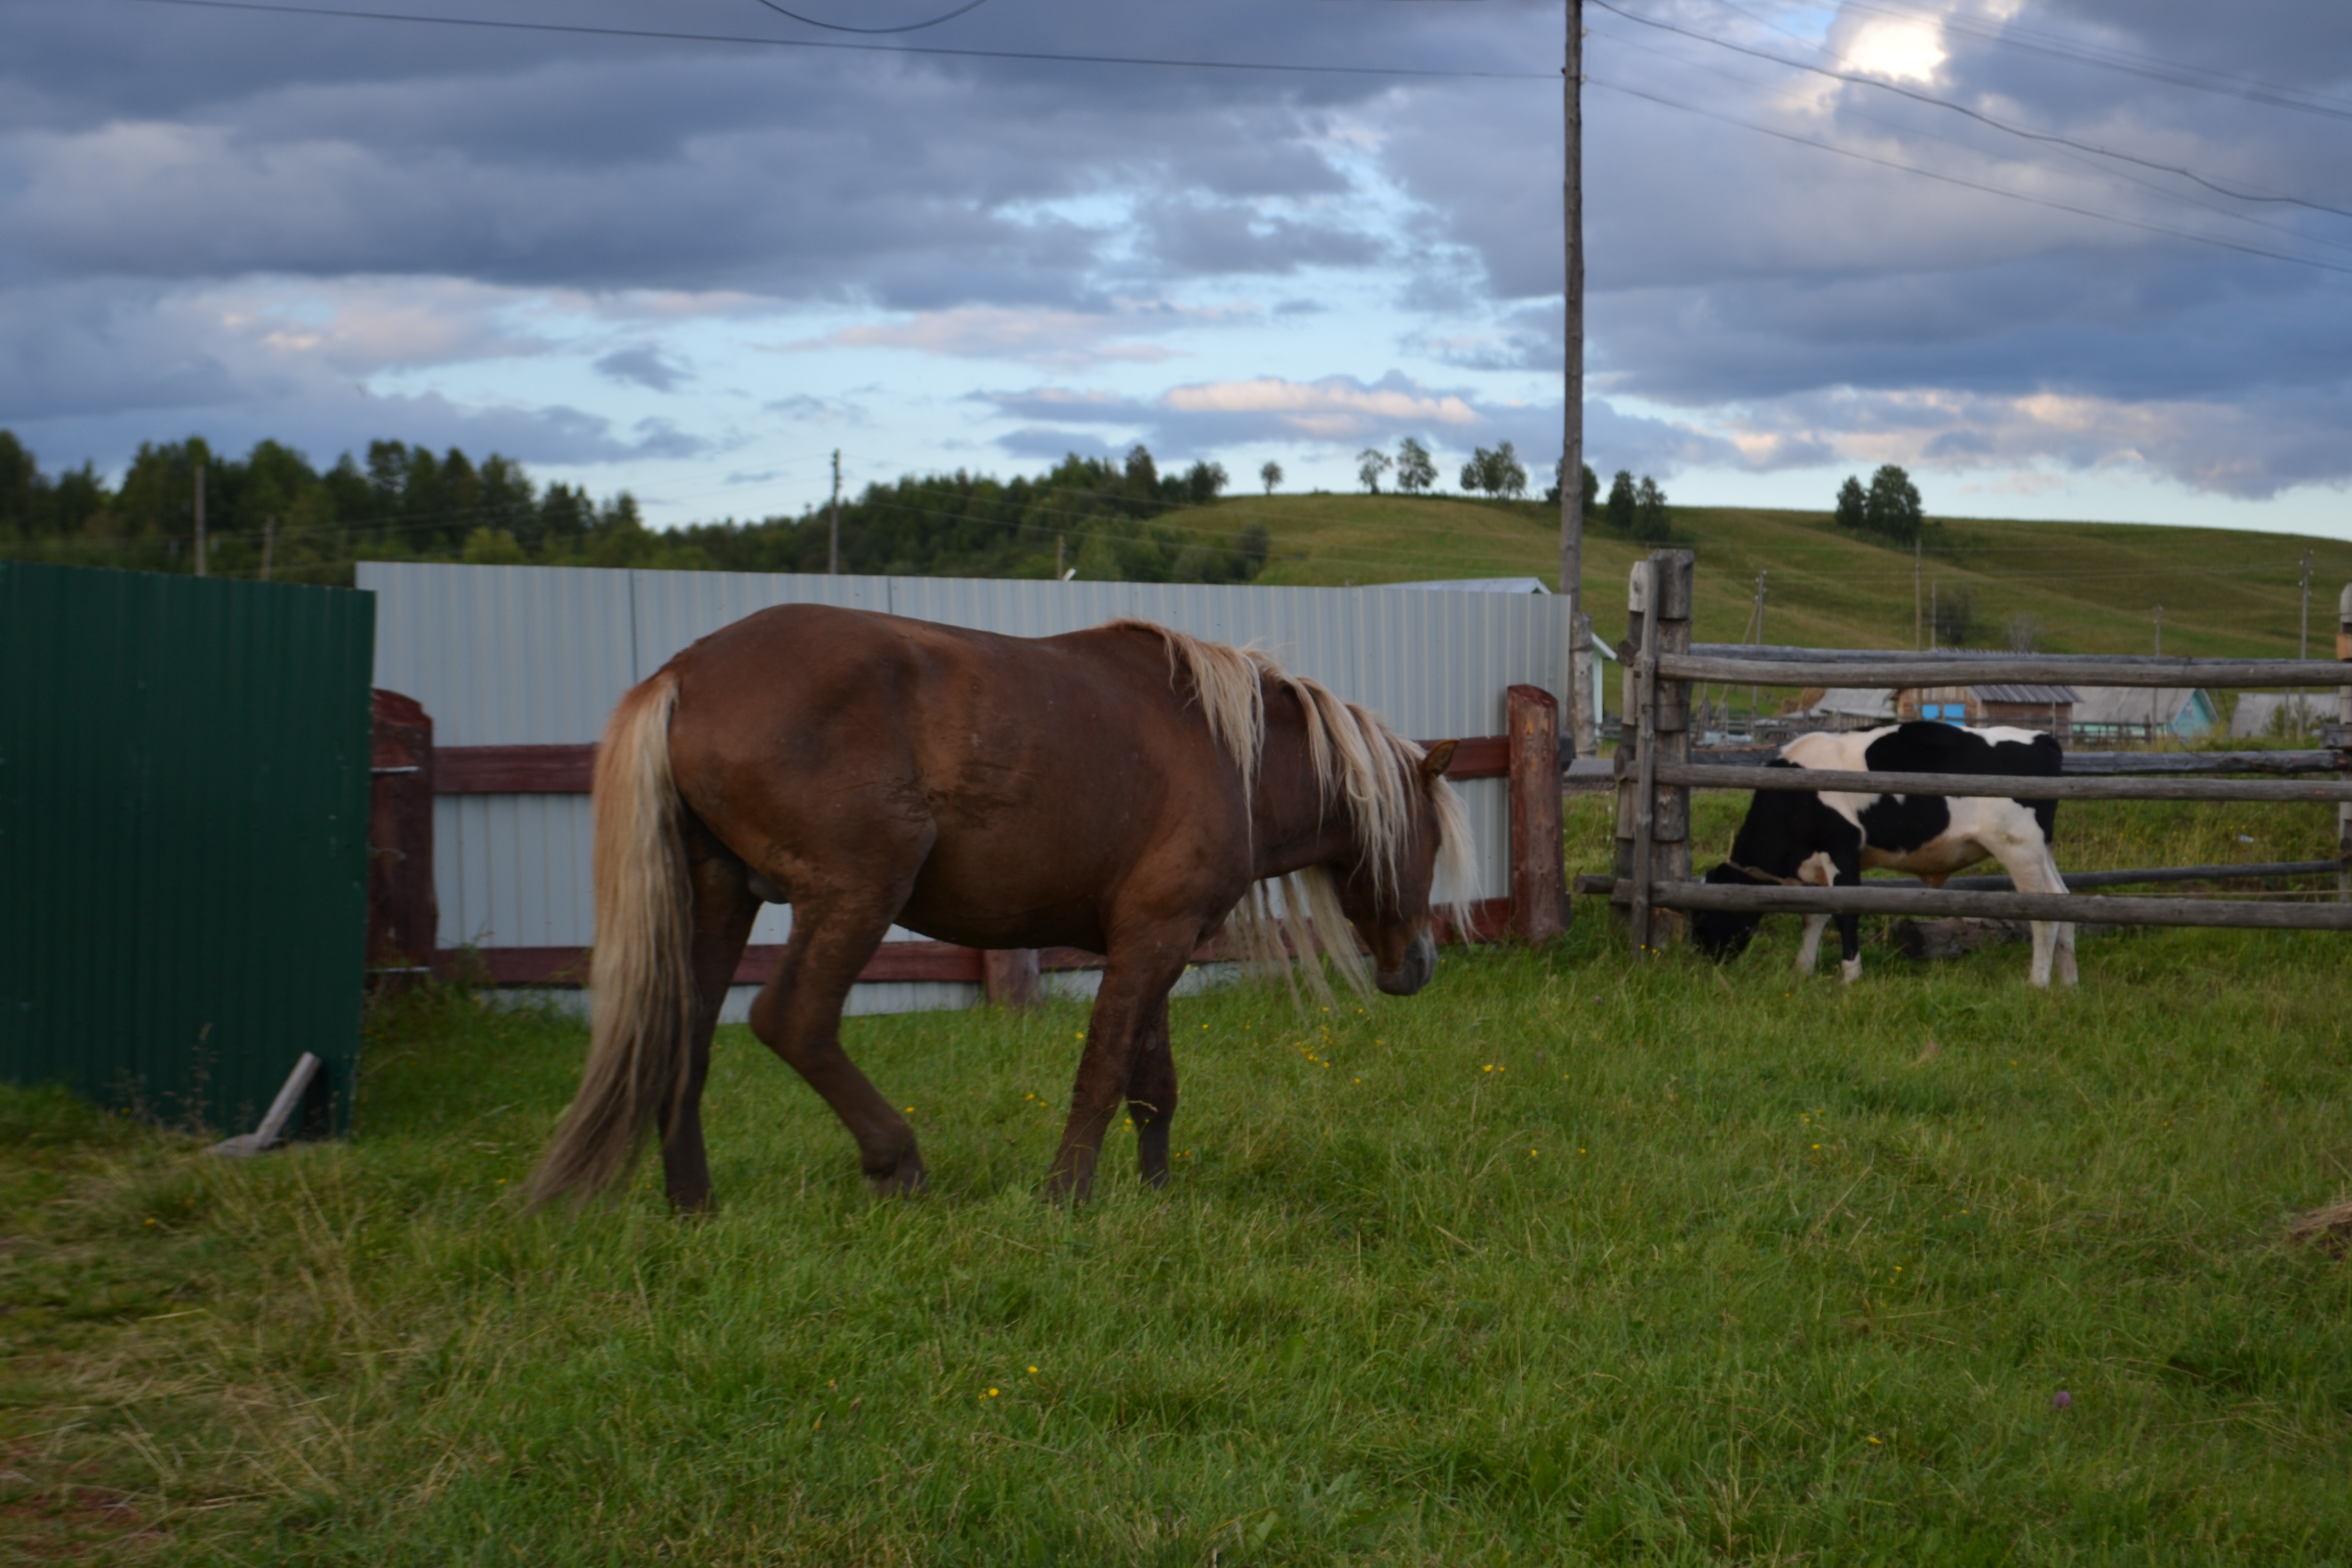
[1361,767]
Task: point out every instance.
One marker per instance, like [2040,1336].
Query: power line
[1982,119]
[585,30]
[2104,171]
[909,27]
[1970,185]
[2151,67]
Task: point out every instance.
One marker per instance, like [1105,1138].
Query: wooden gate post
[1671,812]
[1539,875]
[1011,975]
[403,912]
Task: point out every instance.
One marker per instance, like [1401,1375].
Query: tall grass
[1567,1259]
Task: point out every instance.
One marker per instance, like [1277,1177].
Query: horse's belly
[975,923]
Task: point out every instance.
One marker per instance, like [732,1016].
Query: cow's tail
[641,972]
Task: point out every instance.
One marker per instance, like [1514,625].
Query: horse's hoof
[904,1181]
[1062,1188]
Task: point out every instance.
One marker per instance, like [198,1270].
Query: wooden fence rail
[1912,669]
[2084,764]
[1655,771]
[1992,786]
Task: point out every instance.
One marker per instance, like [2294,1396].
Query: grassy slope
[1564,1260]
[2091,585]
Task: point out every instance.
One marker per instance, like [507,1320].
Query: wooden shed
[2049,707]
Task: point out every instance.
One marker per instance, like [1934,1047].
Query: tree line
[273,513]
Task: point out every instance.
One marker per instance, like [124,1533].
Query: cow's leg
[2032,870]
[2062,967]
[1849,875]
[1810,949]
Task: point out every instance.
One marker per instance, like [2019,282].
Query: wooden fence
[1656,771]
[1527,755]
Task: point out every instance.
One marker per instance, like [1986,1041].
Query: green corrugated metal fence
[184,813]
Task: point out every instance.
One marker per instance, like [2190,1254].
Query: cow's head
[1722,933]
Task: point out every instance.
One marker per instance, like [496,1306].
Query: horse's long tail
[641,974]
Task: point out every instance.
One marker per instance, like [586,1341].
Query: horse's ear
[1433,766]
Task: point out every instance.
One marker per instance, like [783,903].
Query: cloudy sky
[2060,258]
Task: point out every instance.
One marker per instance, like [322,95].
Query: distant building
[1476,585]
[2141,715]
[1850,707]
[2047,708]
[2266,713]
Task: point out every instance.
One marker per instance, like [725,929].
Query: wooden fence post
[1645,756]
[1632,705]
[403,912]
[1011,975]
[1670,575]
[2344,739]
[1538,874]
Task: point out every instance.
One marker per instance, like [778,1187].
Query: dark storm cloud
[150,153]
[642,365]
[215,145]
[1193,236]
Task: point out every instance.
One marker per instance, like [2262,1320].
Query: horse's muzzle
[1420,963]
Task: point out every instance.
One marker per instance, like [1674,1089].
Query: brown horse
[1120,790]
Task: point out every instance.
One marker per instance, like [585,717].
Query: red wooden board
[569,770]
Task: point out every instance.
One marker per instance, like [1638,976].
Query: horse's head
[1386,896]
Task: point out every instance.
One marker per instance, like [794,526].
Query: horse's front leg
[1151,1096]
[1134,996]
[724,909]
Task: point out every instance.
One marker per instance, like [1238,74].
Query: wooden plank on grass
[2232,914]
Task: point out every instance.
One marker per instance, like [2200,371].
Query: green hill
[2088,588]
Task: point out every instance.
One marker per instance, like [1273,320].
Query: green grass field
[1564,1260]
[2091,587]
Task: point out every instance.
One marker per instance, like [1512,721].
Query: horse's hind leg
[724,910]
[1151,1095]
[798,1017]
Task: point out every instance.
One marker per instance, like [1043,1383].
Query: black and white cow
[1830,838]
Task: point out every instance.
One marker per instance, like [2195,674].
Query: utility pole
[2303,646]
[200,511]
[1753,699]
[1583,724]
[268,544]
[2159,631]
[833,555]
[2302,640]
[1917,639]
